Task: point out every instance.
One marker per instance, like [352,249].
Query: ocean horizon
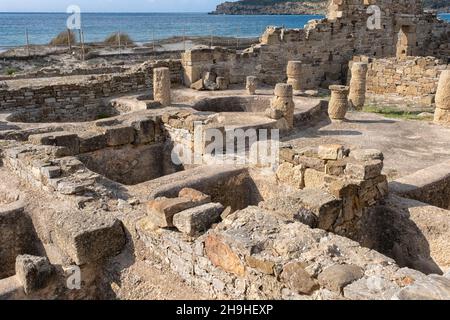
[142,27]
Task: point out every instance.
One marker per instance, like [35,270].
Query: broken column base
[442,116]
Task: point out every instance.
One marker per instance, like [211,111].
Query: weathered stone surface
[291,175]
[222,83]
[251,85]
[443,91]
[119,135]
[198,85]
[91,141]
[260,263]
[335,168]
[33,272]
[87,238]
[60,138]
[336,277]
[194,195]
[364,169]
[297,279]
[441,116]
[433,287]
[197,220]
[371,288]
[331,152]
[338,105]
[161,86]
[314,179]
[162,210]
[367,154]
[51,172]
[222,256]
[145,131]
[357,94]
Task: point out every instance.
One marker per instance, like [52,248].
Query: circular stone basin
[233,104]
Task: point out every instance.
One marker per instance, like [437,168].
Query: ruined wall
[82,100]
[325,46]
[410,76]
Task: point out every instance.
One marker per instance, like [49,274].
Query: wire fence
[211,37]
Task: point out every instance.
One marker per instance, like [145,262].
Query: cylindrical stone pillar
[222,83]
[283,102]
[442,112]
[161,86]
[338,104]
[294,74]
[251,85]
[357,95]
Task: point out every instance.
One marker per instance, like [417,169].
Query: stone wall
[81,101]
[410,76]
[326,46]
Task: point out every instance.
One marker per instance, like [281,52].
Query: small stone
[194,195]
[364,169]
[198,85]
[336,277]
[331,152]
[197,220]
[367,154]
[297,279]
[33,272]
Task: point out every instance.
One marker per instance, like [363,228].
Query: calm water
[141,26]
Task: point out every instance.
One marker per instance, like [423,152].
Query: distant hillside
[274,7]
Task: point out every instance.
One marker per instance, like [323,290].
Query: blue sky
[109,5]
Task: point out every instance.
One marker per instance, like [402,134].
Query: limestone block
[251,85]
[338,105]
[443,91]
[331,152]
[291,175]
[222,83]
[119,135]
[326,207]
[198,85]
[366,154]
[60,138]
[162,210]
[88,237]
[161,86]
[33,272]
[442,116]
[222,255]
[197,220]
[91,141]
[144,131]
[364,169]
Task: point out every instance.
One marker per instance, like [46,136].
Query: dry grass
[113,39]
[62,39]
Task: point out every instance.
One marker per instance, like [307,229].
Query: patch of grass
[113,39]
[62,39]
[10,71]
[391,112]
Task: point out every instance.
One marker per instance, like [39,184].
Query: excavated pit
[256,104]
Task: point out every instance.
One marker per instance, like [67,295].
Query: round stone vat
[233,104]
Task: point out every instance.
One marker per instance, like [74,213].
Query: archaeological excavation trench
[95,203]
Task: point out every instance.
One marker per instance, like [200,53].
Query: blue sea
[142,27]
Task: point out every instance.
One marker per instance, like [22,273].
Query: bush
[113,39]
[62,39]
[10,71]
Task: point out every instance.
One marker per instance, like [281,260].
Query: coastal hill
[274,7]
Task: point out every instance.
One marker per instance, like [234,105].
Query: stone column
[251,85]
[357,95]
[442,112]
[283,103]
[294,73]
[161,86]
[338,105]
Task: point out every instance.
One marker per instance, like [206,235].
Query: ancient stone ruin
[115,183]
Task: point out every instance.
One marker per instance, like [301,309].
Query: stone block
[291,175]
[311,163]
[364,169]
[366,154]
[314,179]
[119,135]
[51,172]
[91,141]
[88,237]
[59,138]
[331,152]
[33,272]
[197,220]
[326,207]
[335,168]
[162,210]
[144,131]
